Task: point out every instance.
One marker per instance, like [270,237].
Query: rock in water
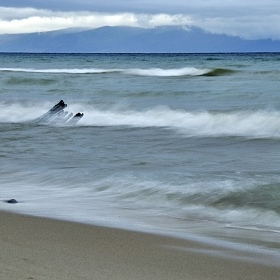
[57,115]
[76,118]
[52,113]
[12,201]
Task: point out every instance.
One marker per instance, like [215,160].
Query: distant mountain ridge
[132,40]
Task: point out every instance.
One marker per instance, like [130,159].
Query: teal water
[175,143]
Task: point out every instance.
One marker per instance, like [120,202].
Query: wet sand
[42,248]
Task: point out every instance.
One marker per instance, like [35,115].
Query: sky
[247,19]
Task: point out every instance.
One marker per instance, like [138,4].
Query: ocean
[180,144]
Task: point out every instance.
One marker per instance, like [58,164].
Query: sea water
[170,143]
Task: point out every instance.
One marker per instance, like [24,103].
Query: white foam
[186,71]
[60,71]
[251,124]
[158,72]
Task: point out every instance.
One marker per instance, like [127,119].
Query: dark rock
[57,115]
[12,201]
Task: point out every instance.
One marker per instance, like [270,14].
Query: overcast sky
[249,19]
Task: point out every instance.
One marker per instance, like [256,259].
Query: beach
[171,173]
[42,248]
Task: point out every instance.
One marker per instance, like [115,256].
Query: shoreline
[43,248]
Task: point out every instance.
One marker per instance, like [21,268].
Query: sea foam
[157,72]
[250,124]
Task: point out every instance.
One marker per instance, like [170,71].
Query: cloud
[56,21]
[26,20]
[246,27]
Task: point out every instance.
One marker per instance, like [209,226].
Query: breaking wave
[158,72]
[250,124]
[153,72]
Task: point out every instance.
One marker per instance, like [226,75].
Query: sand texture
[40,248]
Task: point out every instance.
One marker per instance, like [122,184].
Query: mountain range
[132,40]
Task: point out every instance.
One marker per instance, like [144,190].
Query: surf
[148,72]
[250,124]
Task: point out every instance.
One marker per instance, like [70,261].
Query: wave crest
[158,72]
[152,72]
[250,124]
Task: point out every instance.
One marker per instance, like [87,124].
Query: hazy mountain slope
[128,39]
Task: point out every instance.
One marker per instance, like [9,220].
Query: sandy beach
[41,248]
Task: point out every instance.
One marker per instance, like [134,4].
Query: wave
[60,71]
[262,197]
[152,72]
[249,124]
[229,200]
[158,72]
[217,200]
[219,72]
[192,201]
